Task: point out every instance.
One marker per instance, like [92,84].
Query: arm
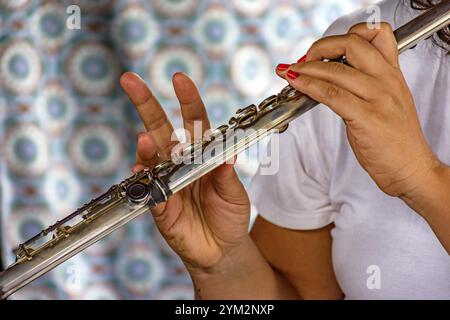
[206,223]
[430,198]
[275,263]
[383,129]
[302,257]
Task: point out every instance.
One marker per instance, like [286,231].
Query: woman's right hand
[209,219]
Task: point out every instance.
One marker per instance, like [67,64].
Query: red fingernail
[302,59]
[283,66]
[292,74]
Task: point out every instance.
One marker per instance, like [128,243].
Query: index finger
[360,53]
[152,114]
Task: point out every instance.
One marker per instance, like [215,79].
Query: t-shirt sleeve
[292,190]
[297,195]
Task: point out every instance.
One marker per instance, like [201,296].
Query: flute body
[137,194]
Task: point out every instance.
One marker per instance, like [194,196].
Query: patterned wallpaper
[67,131]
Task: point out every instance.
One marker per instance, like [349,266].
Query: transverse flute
[136,195]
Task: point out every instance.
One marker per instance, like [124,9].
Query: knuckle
[385,26]
[354,38]
[336,67]
[332,91]
[307,82]
[357,26]
[387,97]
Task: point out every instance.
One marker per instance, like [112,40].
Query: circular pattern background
[96,150]
[49,26]
[220,104]
[176,292]
[328,11]
[100,291]
[25,222]
[139,269]
[251,8]
[62,190]
[26,150]
[93,69]
[251,70]
[170,60]
[20,67]
[55,108]
[217,32]
[283,27]
[14,4]
[95,6]
[136,30]
[175,8]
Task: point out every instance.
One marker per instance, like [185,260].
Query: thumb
[228,185]
[381,37]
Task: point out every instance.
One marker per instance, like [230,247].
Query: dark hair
[444,34]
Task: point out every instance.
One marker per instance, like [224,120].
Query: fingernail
[292,74]
[283,66]
[137,167]
[302,59]
[140,135]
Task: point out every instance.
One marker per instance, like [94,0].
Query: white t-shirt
[381,249]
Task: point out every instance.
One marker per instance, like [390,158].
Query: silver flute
[136,195]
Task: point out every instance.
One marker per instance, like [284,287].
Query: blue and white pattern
[26,222]
[135,29]
[175,8]
[96,150]
[62,189]
[55,108]
[251,70]
[49,25]
[217,31]
[68,132]
[26,150]
[93,69]
[170,60]
[20,67]
[251,8]
[139,269]
[14,4]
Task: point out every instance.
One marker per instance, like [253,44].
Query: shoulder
[386,10]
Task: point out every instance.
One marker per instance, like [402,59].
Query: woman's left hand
[372,97]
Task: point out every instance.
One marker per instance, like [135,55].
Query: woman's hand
[208,219]
[372,97]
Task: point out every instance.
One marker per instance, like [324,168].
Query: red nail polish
[283,66]
[292,74]
[302,59]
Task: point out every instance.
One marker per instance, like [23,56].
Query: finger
[345,104]
[152,114]
[146,153]
[137,168]
[192,107]
[228,185]
[341,75]
[360,53]
[382,38]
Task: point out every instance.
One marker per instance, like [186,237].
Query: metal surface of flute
[137,194]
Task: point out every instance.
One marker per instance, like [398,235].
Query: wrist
[429,188]
[226,265]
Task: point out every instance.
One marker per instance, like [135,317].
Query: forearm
[431,199]
[244,274]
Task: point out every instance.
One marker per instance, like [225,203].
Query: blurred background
[68,132]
